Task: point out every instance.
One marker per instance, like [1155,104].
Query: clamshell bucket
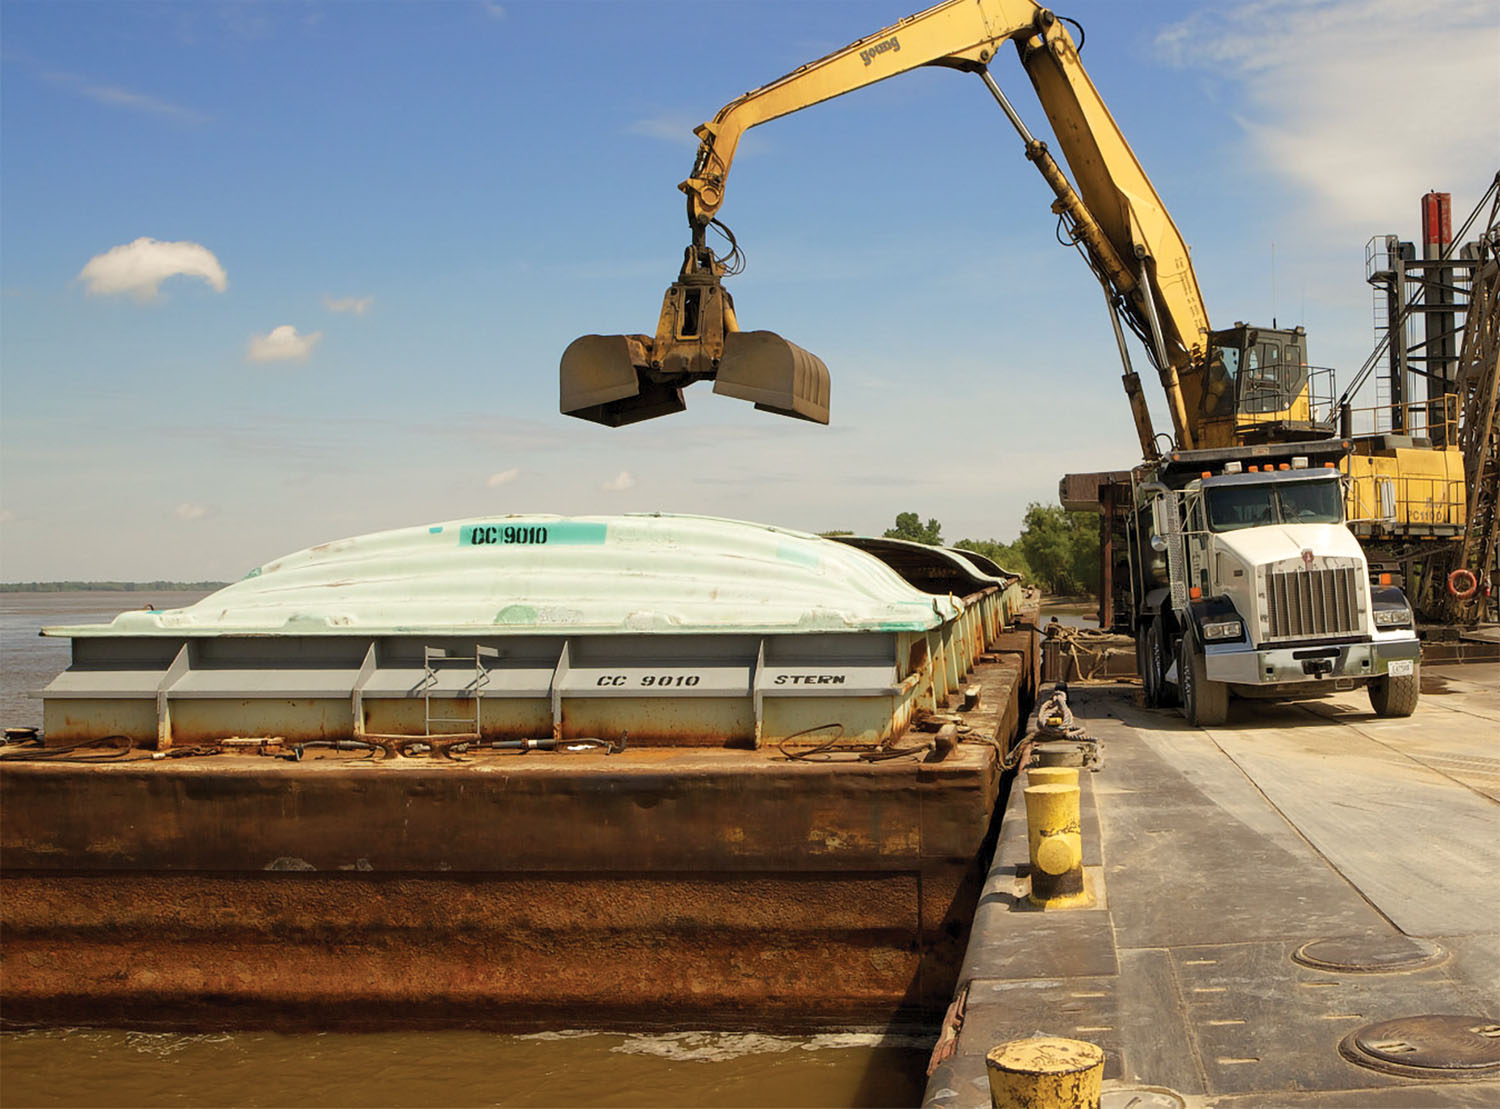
[622,379]
[777,375]
[603,378]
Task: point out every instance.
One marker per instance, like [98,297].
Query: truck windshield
[1247,506]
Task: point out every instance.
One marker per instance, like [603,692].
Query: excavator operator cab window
[1223,369]
[1263,384]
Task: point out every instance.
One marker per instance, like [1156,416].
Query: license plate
[1400,668]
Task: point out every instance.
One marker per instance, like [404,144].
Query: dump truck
[1243,577]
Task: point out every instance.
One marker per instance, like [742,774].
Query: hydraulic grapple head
[622,379]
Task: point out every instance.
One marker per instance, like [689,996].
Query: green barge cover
[665,629]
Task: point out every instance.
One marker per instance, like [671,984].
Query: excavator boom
[1114,215]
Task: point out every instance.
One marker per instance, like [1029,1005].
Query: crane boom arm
[1115,213]
[962,34]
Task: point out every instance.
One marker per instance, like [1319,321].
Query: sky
[273,274]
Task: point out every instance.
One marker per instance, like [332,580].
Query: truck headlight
[1393,617]
[1223,629]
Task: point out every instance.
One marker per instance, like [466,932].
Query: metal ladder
[471,725]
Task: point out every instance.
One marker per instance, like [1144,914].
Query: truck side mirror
[1158,521]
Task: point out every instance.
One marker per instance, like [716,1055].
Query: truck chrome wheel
[1396,696]
[1205,703]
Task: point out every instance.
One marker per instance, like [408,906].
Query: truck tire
[1143,664]
[1205,703]
[1396,696]
[1157,660]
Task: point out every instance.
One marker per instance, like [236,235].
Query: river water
[565,1067]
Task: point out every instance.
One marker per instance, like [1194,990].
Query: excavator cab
[1257,379]
[623,379]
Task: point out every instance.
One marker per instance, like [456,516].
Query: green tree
[1061,548]
[909,526]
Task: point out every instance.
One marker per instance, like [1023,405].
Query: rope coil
[1090,649]
[1055,723]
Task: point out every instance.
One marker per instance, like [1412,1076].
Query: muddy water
[566,1067]
[109,1068]
[29,661]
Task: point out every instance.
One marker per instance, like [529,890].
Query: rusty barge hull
[652,887]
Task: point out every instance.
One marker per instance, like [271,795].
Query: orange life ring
[1459,575]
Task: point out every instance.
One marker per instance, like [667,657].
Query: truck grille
[1305,603]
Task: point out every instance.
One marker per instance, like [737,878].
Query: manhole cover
[1141,1097]
[1427,1046]
[1369,954]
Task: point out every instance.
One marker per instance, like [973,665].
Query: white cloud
[492,9]
[673,129]
[504,477]
[282,344]
[139,268]
[358,305]
[619,483]
[116,97]
[1316,113]
[190,511]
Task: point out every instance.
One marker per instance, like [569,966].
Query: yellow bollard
[1052,776]
[1056,842]
[1045,1073]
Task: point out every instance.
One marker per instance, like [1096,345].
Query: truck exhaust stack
[623,379]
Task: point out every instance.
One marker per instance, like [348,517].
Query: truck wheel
[1205,703]
[1143,665]
[1396,696]
[1159,694]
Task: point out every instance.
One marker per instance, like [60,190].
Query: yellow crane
[1222,387]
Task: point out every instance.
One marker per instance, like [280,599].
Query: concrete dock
[1266,891]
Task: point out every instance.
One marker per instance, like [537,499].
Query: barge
[511,772]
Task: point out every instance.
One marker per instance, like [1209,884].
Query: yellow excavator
[1241,385]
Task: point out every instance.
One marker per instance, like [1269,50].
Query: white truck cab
[1247,581]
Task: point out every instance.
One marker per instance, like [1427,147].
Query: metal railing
[1267,400]
[1435,419]
[1413,500]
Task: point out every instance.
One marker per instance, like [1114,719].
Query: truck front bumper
[1309,663]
